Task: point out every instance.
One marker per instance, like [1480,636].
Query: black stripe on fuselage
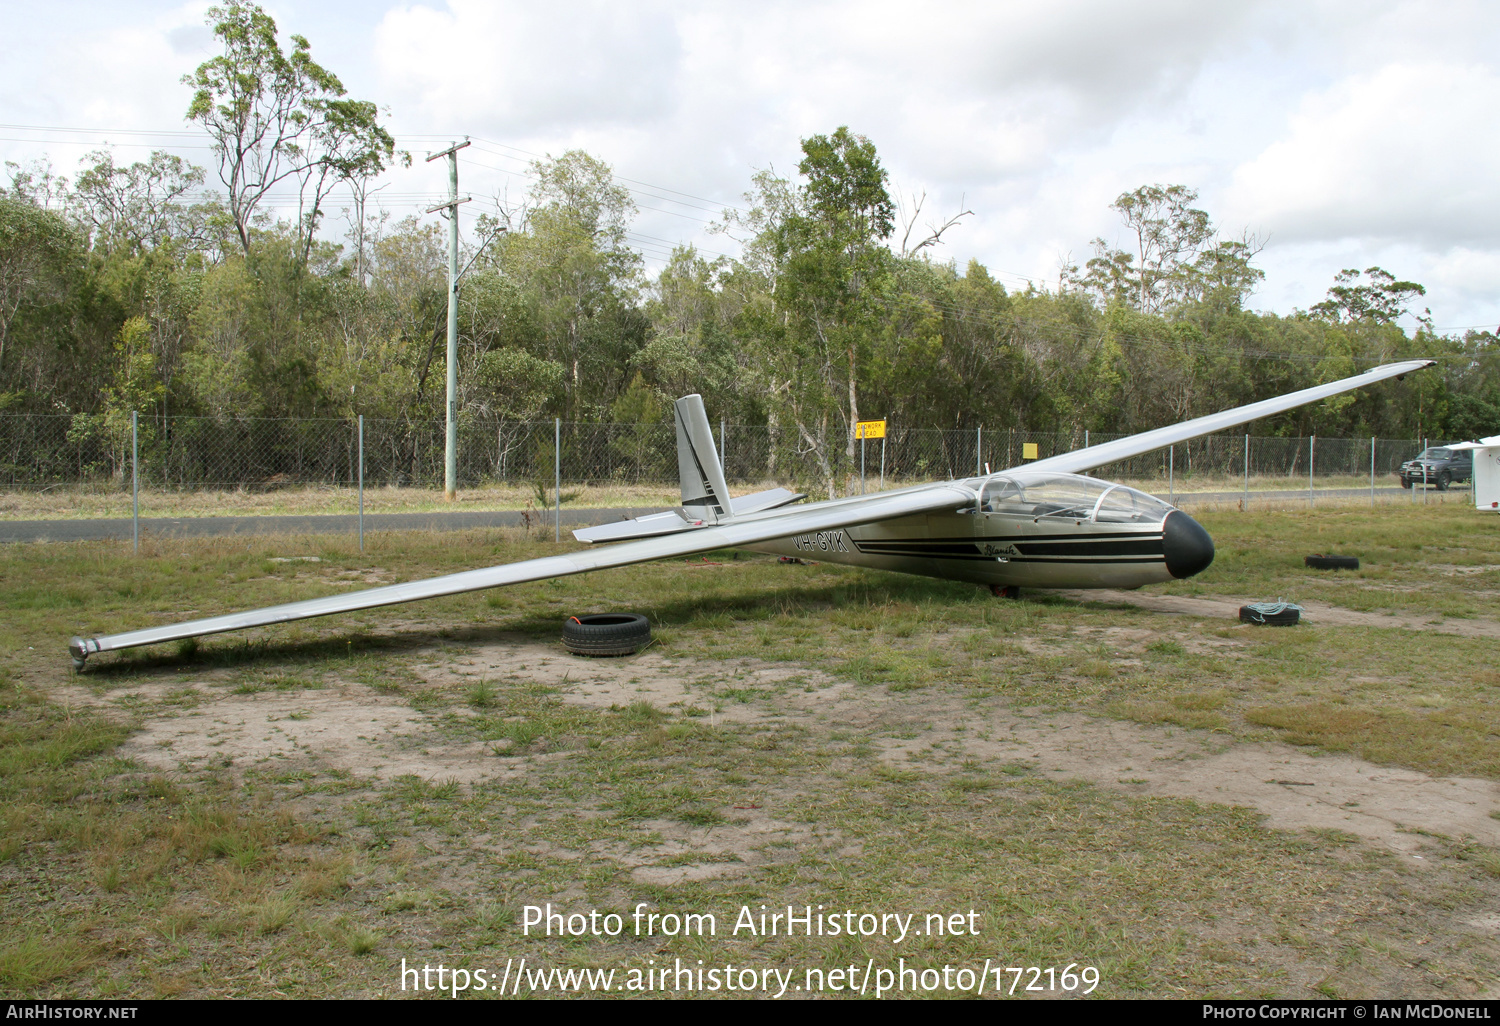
[1094,547]
[1085,559]
[1028,559]
[914,548]
[1079,548]
[1013,539]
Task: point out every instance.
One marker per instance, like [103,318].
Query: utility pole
[450,462]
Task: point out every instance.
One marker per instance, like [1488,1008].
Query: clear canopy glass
[1043,495]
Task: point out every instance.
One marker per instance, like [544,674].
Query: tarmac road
[1294,494]
[343,523]
[348,523]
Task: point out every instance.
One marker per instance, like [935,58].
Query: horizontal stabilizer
[671,522]
[770,499]
[649,526]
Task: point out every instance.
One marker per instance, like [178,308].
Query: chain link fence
[39,453]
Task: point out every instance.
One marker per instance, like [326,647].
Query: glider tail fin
[705,496]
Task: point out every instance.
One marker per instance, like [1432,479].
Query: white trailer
[1486,471]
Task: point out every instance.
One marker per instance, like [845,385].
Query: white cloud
[1385,156]
[523,67]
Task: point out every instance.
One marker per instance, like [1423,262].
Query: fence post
[1424,475]
[557,473]
[882,463]
[361,482]
[1311,445]
[1372,471]
[978,448]
[861,463]
[135,482]
[1247,472]
[1171,457]
[724,448]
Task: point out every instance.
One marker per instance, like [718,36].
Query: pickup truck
[1438,466]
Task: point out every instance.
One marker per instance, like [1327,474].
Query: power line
[642,206]
[186,133]
[99,131]
[106,142]
[633,181]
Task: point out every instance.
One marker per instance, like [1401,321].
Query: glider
[1040,525]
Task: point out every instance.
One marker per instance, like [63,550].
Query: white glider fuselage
[1028,530]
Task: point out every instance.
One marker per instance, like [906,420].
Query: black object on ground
[606,634]
[1271,614]
[1318,561]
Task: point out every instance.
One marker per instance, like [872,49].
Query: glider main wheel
[1321,562]
[1282,618]
[1010,591]
[606,634]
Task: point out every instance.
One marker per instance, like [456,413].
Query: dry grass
[1460,738]
[90,502]
[291,877]
[84,503]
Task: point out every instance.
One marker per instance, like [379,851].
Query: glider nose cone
[1187,546]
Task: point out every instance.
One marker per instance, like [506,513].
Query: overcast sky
[1344,134]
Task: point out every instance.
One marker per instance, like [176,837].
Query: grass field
[1188,805]
[81,503]
[112,502]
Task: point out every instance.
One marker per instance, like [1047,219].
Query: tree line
[135,287]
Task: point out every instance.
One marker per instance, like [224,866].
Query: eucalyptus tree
[981,376]
[41,259]
[143,205]
[838,261]
[1380,298]
[570,254]
[819,246]
[692,348]
[275,116]
[1177,258]
[793,375]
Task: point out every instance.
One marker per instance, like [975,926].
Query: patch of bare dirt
[1139,637]
[353,728]
[1455,570]
[671,685]
[726,850]
[347,728]
[1313,612]
[1295,790]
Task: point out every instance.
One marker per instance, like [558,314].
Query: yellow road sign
[1028,450]
[870,429]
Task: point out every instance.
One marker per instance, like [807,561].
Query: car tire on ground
[1406,482]
[1321,562]
[1443,480]
[606,634]
[1285,618]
